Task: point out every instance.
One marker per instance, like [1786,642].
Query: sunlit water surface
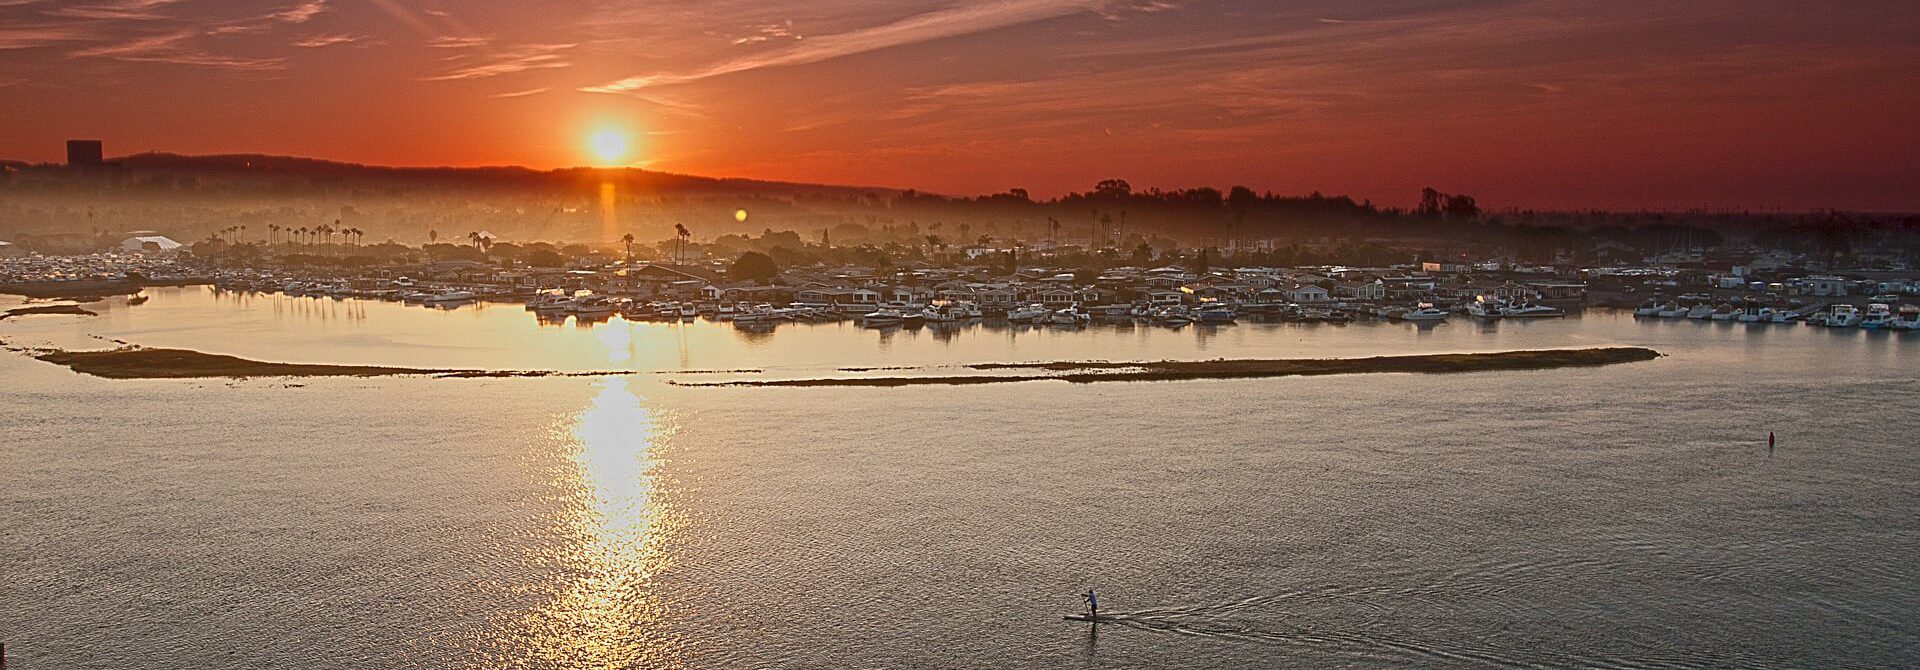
[1626,516]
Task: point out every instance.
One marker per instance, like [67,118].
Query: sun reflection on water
[607,616]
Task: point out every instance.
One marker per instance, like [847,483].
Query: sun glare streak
[609,210]
[608,617]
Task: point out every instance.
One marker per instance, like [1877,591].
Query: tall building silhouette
[84,153]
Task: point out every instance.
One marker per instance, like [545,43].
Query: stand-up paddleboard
[1106,618]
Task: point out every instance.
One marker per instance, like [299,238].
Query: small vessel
[1424,313]
[1911,321]
[1216,313]
[1843,316]
[138,299]
[449,298]
[1700,311]
[882,318]
[688,311]
[1028,314]
[1879,316]
[1671,310]
[1487,309]
[1762,315]
[592,306]
[1724,312]
[1071,316]
[1648,308]
[942,311]
[1530,311]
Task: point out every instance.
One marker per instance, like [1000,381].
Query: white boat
[1028,314]
[1763,315]
[1487,309]
[1071,316]
[689,311]
[1530,311]
[1672,310]
[1424,313]
[942,311]
[882,317]
[449,297]
[1911,322]
[1843,316]
[1215,313]
[592,306]
[1700,311]
[1648,308]
[1879,316]
[1724,312]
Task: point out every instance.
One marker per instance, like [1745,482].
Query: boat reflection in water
[604,613]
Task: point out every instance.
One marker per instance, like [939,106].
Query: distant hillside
[251,167]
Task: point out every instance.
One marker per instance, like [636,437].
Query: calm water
[1628,516]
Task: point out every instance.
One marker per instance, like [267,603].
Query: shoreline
[1244,369]
[135,362]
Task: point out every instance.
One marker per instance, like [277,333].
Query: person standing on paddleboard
[1093,604]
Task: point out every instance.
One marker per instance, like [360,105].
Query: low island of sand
[1103,371]
[150,363]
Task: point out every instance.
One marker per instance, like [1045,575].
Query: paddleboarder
[1093,604]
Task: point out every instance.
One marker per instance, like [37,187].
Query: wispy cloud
[450,42]
[771,31]
[961,20]
[300,13]
[29,36]
[176,48]
[318,41]
[522,94]
[120,10]
[515,59]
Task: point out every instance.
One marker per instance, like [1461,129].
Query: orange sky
[1551,104]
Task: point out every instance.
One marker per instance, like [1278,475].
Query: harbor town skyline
[1528,104]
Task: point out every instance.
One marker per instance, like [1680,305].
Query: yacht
[1531,311]
[882,317]
[1425,313]
[944,311]
[1763,315]
[1215,313]
[1028,314]
[688,311]
[592,306]
[1879,316]
[1672,310]
[1724,312]
[1071,316]
[1648,308]
[1700,311]
[1487,309]
[725,311]
[1910,322]
[1843,316]
[449,298]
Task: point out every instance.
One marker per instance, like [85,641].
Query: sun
[609,146]
[740,215]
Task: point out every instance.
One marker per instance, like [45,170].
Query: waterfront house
[1373,290]
[1307,293]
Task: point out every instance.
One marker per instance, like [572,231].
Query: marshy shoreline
[1102,371]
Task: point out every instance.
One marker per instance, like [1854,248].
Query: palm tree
[433,236]
[301,234]
[681,231]
[273,233]
[627,240]
[473,238]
